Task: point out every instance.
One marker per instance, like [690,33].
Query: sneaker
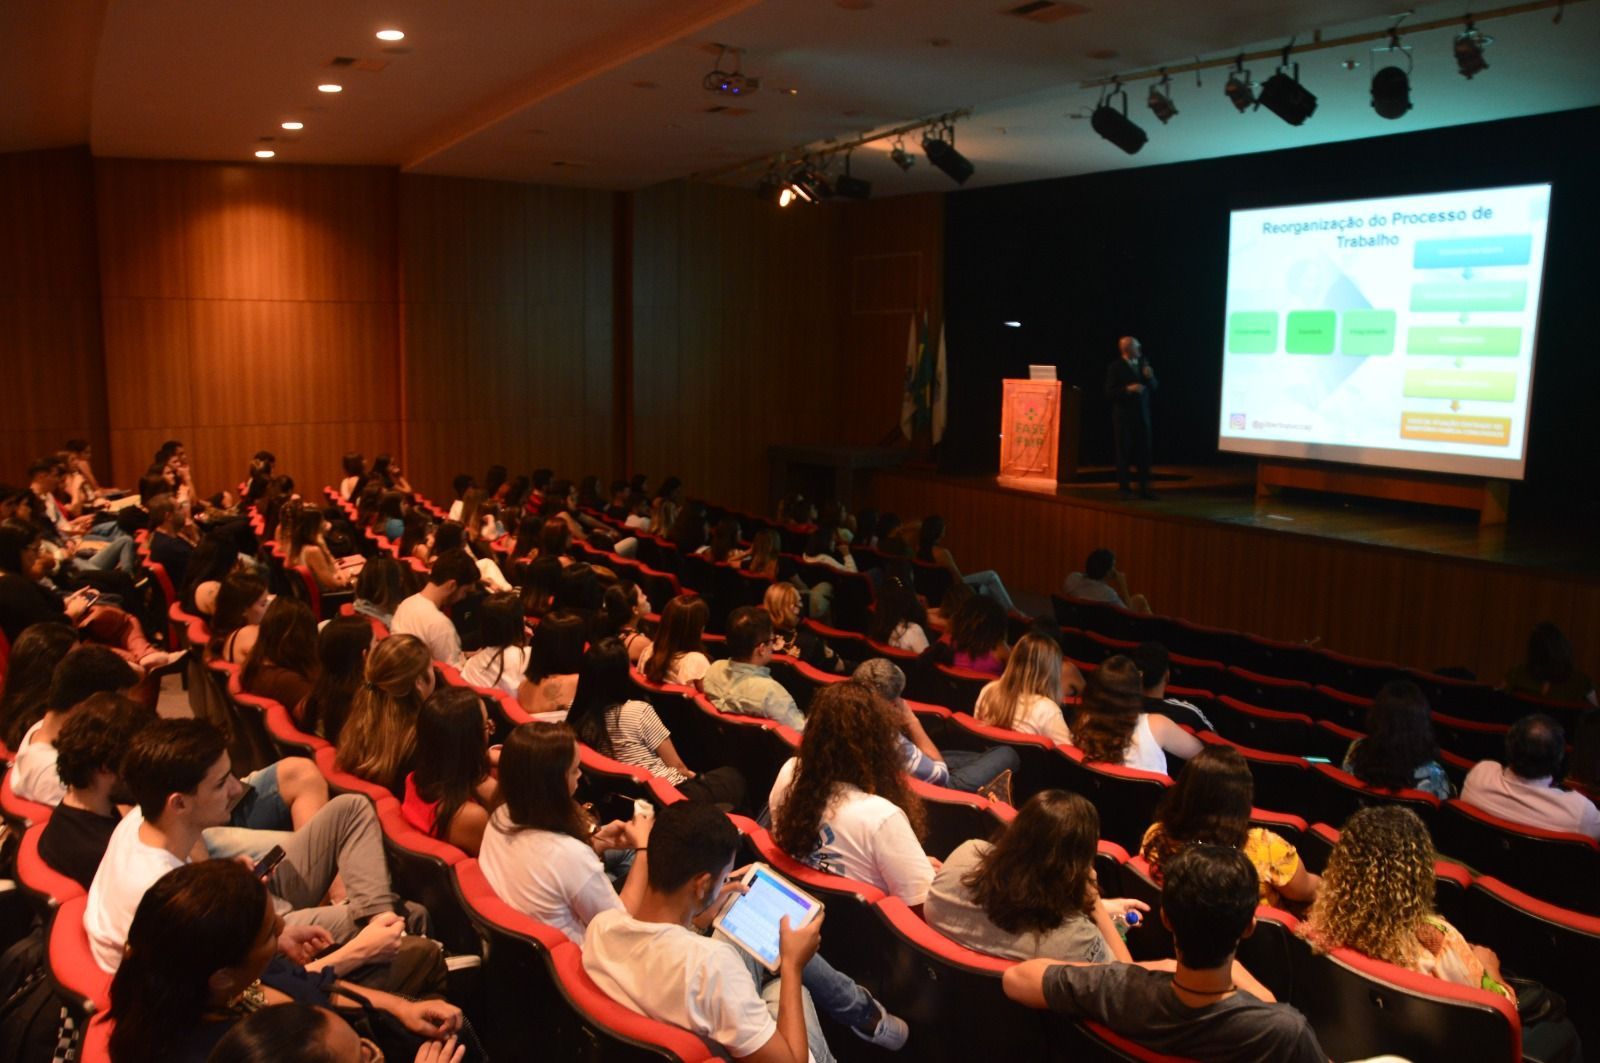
[998,788]
[890,1033]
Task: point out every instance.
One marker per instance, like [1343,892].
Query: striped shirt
[636,732]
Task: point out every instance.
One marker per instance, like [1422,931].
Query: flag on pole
[939,390]
[908,397]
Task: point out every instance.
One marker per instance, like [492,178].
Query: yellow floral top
[1275,860]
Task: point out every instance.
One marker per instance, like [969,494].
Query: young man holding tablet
[653,963]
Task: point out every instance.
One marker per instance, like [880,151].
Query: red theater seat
[48,887]
[84,988]
[1555,866]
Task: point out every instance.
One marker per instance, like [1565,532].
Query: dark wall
[1082,260]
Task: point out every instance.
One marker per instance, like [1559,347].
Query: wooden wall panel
[50,347]
[1425,610]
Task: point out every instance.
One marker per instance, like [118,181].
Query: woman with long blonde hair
[379,737]
[782,602]
[1027,696]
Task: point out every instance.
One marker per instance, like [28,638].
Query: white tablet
[751,921]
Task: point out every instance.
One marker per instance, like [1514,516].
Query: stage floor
[1226,494]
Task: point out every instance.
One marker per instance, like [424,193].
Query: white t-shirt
[551,877]
[480,669]
[1144,752]
[684,669]
[1037,715]
[909,636]
[420,617]
[672,974]
[864,837]
[127,870]
[33,773]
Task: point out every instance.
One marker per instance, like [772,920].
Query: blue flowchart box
[1467,251]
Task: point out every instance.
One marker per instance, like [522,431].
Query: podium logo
[1236,421]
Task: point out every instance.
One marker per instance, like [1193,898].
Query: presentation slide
[1396,332]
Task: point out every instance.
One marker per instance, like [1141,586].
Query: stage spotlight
[901,157]
[943,154]
[851,187]
[1161,99]
[1469,51]
[809,184]
[1240,94]
[1115,125]
[1391,92]
[774,189]
[1285,97]
[726,82]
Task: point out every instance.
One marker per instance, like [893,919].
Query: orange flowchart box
[1456,428]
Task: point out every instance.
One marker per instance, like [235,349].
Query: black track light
[1115,125]
[774,189]
[1160,100]
[1240,93]
[1285,97]
[850,186]
[1469,51]
[901,157]
[939,146]
[1391,86]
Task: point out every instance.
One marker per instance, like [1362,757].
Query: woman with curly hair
[1027,696]
[677,654]
[844,805]
[1112,727]
[1032,891]
[1377,898]
[1210,805]
[1399,751]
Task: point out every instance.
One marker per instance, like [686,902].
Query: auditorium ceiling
[608,94]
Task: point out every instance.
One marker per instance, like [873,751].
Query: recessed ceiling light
[391,35]
[294,125]
[265,153]
[790,91]
[330,87]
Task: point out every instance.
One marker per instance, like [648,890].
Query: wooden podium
[1030,432]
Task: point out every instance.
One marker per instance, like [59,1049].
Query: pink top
[987,663]
[1501,792]
[423,815]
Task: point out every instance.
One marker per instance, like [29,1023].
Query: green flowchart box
[1310,331]
[1253,332]
[1485,385]
[1467,295]
[1367,332]
[1497,341]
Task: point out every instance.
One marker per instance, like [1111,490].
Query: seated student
[241,603]
[976,639]
[555,539]
[173,537]
[342,647]
[454,576]
[689,530]
[1377,898]
[25,695]
[1032,891]
[1210,804]
[898,616]
[378,739]
[1523,789]
[1099,581]
[308,546]
[555,654]
[741,683]
[790,638]
[501,661]
[1399,751]
[648,959]
[959,769]
[1548,670]
[204,952]
[451,791]
[417,538]
[608,718]
[181,779]
[383,584]
[1027,696]
[724,546]
[763,557]
[542,852]
[1204,1006]
[209,565]
[844,805]
[355,472]
[623,608]
[931,550]
[283,664]
[84,671]
[89,754]
[1155,667]
[460,484]
[390,519]
[1112,726]
[306,1033]
[677,654]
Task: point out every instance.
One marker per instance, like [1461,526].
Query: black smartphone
[269,863]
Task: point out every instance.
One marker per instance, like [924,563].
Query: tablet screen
[753,918]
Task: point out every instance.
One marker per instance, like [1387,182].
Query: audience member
[898,616]
[213,558]
[790,637]
[283,664]
[931,550]
[555,656]
[1399,751]
[379,736]
[306,1033]
[763,557]
[383,584]
[1111,725]
[1099,581]
[355,475]
[623,608]
[1027,696]
[89,754]
[959,769]
[501,661]
[1548,670]
[26,692]
[1204,1006]
[451,791]
[454,576]
[677,654]
[1032,891]
[742,684]
[724,547]
[1155,667]
[976,639]
[173,537]
[844,805]
[342,647]
[81,672]
[235,625]
[609,719]
[1523,789]
[1211,804]
[308,546]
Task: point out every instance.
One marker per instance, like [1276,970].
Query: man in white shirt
[742,684]
[1523,790]
[454,576]
[84,671]
[1097,581]
[179,773]
[652,962]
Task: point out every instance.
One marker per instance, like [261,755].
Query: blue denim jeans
[970,770]
[838,996]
